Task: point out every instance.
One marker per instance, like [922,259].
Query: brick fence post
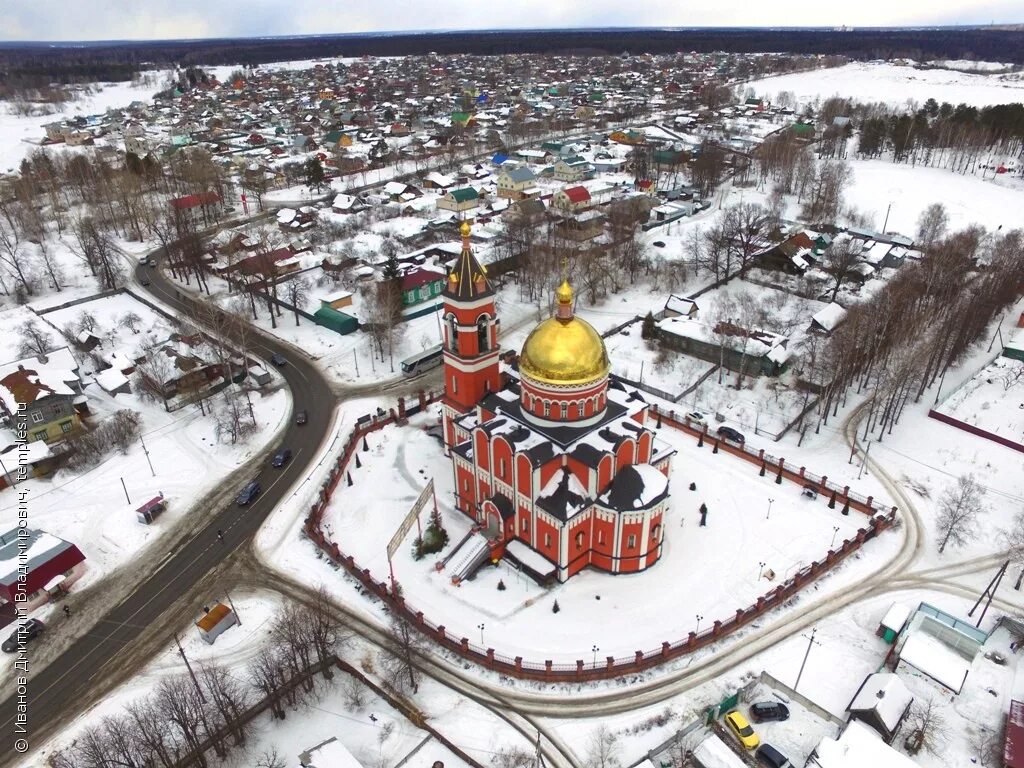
[609,662]
[739,615]
[716,628]
[519,665]
[824,483]
[759,606]
[691,640]
[419,618]
[547,666]
[464,643]
[638,658]
[490,656]
[579,667]
[802,470]
[665,648]
[401,408]
[871,500]
[440,632]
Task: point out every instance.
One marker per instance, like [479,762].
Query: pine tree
[649,330]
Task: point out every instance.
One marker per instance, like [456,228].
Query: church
[552,457]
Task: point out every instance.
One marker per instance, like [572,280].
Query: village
[703,407]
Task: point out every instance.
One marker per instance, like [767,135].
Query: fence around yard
[879,519]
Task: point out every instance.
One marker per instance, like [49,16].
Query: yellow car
[738,724]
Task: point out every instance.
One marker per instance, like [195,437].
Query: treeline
[44,74]
[187,716]
[985,44]
[923,321]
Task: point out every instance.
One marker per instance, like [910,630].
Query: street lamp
[760,570]
[835,531]
[481,628]
[770,502]
[595,649]
[699,620]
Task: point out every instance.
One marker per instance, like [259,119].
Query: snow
[331,754]
[935,659]
[857,747]
[530,557]
[886,694]
[992,400]
[893,84]
[830,317]
[713,753]
[896,616]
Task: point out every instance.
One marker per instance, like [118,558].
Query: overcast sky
[151,19]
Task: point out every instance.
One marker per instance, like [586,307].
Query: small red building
[556,454]
[30,559]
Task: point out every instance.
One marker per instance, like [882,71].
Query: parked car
[732,434]
[282,457]
[763,711]
[248,494]
[658,243]
[144,281]
[738,725]
[697,419]
[278,359]
[28,631]
[143,260]
[301,418]
[768,755]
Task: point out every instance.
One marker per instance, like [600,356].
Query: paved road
[69,675]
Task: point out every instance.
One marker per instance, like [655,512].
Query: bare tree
[270,759]
[1013,539]
[512,757]
[36,341]
[603,749]
[296,292]
[228,697]
[928,726]
[399,668]
[959,508]
[839,260]
[181,707]
[931,225]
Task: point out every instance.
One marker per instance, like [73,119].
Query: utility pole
[234,610]
[146,451]
[125,487]
[864,461]
[989,592]
[886,217]
[192,674]
[810,642]
[538,757]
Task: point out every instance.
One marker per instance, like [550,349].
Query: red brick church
[550,454]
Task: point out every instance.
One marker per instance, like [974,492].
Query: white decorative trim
[488,358]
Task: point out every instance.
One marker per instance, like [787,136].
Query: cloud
[154,19]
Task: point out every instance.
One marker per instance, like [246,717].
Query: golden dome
[565,351]
[564,293]
[464,229]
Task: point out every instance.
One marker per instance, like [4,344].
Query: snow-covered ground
[992,400]
[894,84]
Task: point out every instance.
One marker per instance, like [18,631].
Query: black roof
[626,490]
[562,501]
[505,508]
[467,269]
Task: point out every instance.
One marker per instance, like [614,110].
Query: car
[248,494]
[697,418]
[278,359]
[282,457]
[741,728]
[150,262]
[763,711]
[731,434]
[144,281]
[301,418]
[143,260]
[658,243]
[768,755]
[27,631]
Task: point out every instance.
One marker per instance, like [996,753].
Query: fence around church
[609,667]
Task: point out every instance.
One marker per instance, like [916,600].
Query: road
[69,676]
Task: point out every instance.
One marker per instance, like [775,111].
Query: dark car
[770,756]
[301,418]
[658,243]
[30,630]
[763,711]
[144,281]
[731,434]
[247,494]
[282,457]
[277,359]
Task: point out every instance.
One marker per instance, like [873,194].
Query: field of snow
[992,400]
[595,608]
[968,199]
[894,84]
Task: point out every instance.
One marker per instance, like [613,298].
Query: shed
[329,754]
[714,753]
[893,622]
[151,510]
[336,321]
[216,621]
[882,701]
[260,375]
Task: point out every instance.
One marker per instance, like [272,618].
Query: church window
[482,332]
[579,540]
[453,336]
[547,540]
[565,410]
[526,525]
[501,468]
[547,408]
[631,541]
[600,537]
[455,386]
[655,531]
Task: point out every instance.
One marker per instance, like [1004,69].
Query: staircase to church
[470,555]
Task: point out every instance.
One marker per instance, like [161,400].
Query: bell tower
[470,338]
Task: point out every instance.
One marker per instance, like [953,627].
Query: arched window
[482,334]
[579,540]
[547,408]
[453,337]
[565,411]
[655,532]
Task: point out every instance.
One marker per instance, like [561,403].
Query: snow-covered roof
[858,746]
[111,379]
[896,617]
[28,380]
[934,658]
[529,557]
[31,547]
[713,753]
[331,754]
[884,694]
[830,316]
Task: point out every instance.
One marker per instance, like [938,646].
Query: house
[516,183]
[756,352]
[857,745]
[175,369]
[459,200]
[39,396]
[215,622]
[202,204]
[19,461]
[347,204]
[939,646]
[36,565]
[435,180]
[328,754]
[827,319]
[571,199]
[794,255]
[883,702]
[679,306]
[421,284]
[573,169]
[581,226]
[712,752]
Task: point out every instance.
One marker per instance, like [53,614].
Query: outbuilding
[217,620]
